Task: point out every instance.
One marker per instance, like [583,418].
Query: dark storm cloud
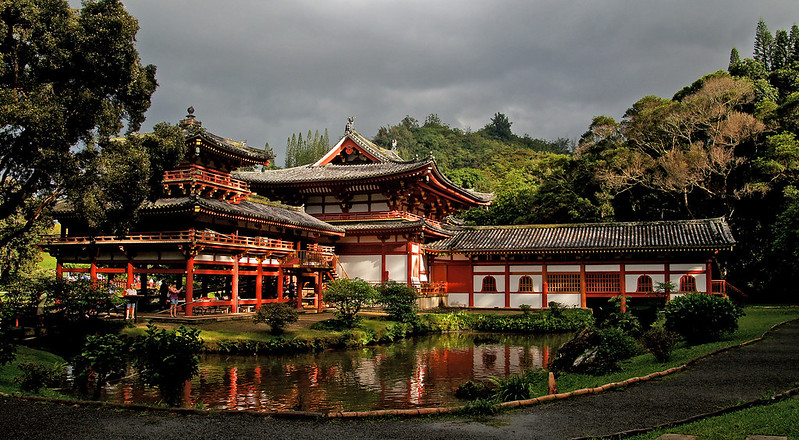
[262,70]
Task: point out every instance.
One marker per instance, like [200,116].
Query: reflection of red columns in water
[234,387]
[545,362]
[257,375]
[187,394]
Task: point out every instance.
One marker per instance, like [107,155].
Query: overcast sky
[260,70]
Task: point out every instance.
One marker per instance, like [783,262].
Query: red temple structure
[210,231]
[361,211]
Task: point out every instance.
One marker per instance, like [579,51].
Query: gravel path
[720,381]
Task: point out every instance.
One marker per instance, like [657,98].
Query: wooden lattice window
[687,283]
[602,283]
[525,284]
[645,284]
[489,284]
[563,283]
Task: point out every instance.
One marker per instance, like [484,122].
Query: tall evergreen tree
[793,42]
[763,43]
[735,58]
[780,50]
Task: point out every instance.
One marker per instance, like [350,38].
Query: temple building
[210,231]
[362,211]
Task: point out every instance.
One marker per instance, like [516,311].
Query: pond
[416,372]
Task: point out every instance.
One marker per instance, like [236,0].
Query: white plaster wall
[567,299]
[687,267]
[397,267]
[382,206]
[489,300]
[563,268]
[368,239]
[531,299]
[458,257]
[602,267]
[482,269]
[359,207]
[313,209]
[644,267]
[458,299]
[527,268]
[360,197]
[315,199]
[333,208]
[631,281]
[366,267]
[701,280]
[478,282]
[537,282]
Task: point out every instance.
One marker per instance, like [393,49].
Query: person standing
[173,300]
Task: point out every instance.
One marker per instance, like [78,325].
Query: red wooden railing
[205,176]
[723,288]
[191,235]
[433,288]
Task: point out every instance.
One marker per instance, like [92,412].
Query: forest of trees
[724,146]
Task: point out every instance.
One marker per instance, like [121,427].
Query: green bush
[472,390]
[398,300]
[277,315]
[701,318]
[480,407]
[614,317]
[660,342]
[349,296]
[37,376]
[520,386]
[167,359]
[102,356]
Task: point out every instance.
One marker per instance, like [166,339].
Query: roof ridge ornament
[350,121]
[190,120]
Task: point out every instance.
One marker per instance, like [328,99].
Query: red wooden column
[544,286]
[234,286]
[583,298]
[623,287]
[259,283]
[507,284]
[318,291]
[709,277]
[471,281]
[93,272]
[189,286]
[129,272]
[280,279]
[59,270]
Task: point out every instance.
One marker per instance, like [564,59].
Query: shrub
[37,376]
[8,350]
[480,407]
[349,296]
[595,352]
[398,300]
[167,359]
[102,356]
[700,318]
[625,321]
[660,342]
[472,390]
[525,308]
[520,386]
[277,316]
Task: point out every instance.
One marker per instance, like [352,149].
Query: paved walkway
[720,381]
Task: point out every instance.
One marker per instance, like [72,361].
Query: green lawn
[777,419]
[9,372]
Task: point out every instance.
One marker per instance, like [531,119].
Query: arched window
[525,284]
[489,284]
[644,284]
[687,283]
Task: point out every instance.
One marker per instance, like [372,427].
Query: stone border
[445,410]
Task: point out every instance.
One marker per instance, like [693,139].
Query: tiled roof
[282,214]
[240,149]
[633,236]
[382,154]
[392,225]
[330,172]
